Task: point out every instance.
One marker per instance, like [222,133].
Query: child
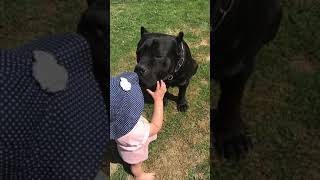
[131,131]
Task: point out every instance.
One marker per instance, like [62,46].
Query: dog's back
[241,33]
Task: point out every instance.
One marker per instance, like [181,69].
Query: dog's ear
[180,37]
[143,30]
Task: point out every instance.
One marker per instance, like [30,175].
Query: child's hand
[160,91]
[157,116]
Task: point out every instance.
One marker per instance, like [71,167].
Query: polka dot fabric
[45,135]
[125,106]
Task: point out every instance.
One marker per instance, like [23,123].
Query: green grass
[282,101]
[182,148]
[24,20]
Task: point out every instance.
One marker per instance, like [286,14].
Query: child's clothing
[126,104]
[127,126]
[133,147]
[47,134]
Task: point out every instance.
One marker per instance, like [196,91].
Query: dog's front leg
[165,99]
[230,142]
[182,103]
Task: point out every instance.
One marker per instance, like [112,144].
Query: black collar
[181,56]
[224,13]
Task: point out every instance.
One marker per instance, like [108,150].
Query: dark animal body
[166,57]
[94,27]
[239,30]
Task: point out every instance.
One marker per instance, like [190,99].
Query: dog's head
[157,56]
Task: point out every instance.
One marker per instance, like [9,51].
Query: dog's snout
[140,69]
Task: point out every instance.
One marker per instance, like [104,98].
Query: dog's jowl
[166,57]
[239,31]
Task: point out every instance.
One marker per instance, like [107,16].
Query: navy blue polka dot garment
[126,106]
[45,135]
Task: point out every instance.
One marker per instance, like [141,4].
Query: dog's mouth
[146,84]
[146,79]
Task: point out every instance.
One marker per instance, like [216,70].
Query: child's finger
[163,85]
[150,92]
[158,85]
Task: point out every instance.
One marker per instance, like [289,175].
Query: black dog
[166,57]
[239,31]
[94,26]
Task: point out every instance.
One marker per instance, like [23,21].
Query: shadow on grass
[113,157]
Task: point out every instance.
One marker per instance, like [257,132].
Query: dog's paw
[232,147]
[182,106]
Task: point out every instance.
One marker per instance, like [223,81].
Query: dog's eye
[158,56]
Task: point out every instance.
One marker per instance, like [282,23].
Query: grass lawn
[282,103]
[182,148]
[25,20]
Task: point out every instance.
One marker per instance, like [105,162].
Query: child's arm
[157,116]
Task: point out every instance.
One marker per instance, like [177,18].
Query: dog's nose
[140,69]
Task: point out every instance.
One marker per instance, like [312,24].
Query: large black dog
[166,57]
[239,31]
